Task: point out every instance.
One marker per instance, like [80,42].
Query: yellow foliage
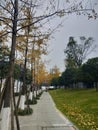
[41,75]
[54,72]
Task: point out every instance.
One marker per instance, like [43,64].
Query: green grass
[80,106]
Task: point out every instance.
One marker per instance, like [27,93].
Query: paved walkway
[45,117]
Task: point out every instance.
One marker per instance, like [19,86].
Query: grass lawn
[80,106]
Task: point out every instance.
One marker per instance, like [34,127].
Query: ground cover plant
[26,111]
[79,105]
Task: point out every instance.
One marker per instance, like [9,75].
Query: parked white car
[51,87]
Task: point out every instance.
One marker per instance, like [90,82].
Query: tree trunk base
[31,95]
[22,102]
[5,118]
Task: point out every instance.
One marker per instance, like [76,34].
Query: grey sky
[72,26]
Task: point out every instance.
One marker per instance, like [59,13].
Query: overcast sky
[74,26]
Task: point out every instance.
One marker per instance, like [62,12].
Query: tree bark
[8,99]
[16,115]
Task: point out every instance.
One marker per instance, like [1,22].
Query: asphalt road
[45,117]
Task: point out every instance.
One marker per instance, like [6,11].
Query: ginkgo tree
[33,50]
[39,47]
[43,74]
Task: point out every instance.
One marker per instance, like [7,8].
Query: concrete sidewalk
[45,117]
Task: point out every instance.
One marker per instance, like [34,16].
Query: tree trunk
[15,110]
[25,63]
[12,109]
[31,95]
[8,95]
[18,102]
[16,115]
[6,108]
[24,89]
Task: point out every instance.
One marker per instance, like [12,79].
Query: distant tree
[55,72]
[4,52]
[16,71]
[55,81]
[4,58]
[4,66]
[28,76]
[76,53]
[90,72]
[60,81]
[86,75]
[68,77]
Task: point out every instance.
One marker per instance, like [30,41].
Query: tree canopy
[76,52]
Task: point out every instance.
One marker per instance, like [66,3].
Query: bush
[16,94]
[31,102]
[39,95]
[26,111]
[37,98]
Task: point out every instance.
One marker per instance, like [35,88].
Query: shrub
[26,111]
[39,95]
[16,94]
[31,102]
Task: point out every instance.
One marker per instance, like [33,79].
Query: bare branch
[6,22]
[1,17]
[39,19]
[5,9]
[4,34]
[29,4]
[12,3]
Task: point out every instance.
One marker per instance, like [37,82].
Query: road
[45,117]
